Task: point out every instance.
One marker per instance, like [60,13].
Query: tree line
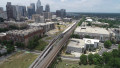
[106,60]
[112,23]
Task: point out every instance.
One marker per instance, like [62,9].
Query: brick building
[24,36]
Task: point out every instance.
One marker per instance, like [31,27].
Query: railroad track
[47,56]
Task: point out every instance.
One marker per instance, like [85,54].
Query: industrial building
[79,46]
[94,32]
[115,34]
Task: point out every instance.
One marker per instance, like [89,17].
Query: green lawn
[41,46]
[48,38]
[19,60]
[72,64]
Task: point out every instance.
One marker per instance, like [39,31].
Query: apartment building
[25,35]
[46,26]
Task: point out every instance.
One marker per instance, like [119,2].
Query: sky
[102,6]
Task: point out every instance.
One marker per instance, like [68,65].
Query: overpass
[51,51]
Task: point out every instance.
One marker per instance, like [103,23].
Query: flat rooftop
[93,30]
[40,24]
[77,43]
[2,34]
[24,32]
[90,41]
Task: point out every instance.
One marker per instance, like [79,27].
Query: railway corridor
[54,48]
[50,57]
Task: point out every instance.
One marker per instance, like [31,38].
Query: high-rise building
[38,18]
[38,4]
[39,9]
[58,13]
[30,11]
[3,15]
[33,7]
[47,15]
[61,13]
[14,12]
[1,9]
[24,12]
[19,12]
[47,8]
[9,9]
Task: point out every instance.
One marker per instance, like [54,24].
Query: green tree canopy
[106,57]
[83,59]
[98,60]
[107,44]
[90,58]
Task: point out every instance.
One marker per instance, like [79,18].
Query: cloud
[73,5]
[62,0]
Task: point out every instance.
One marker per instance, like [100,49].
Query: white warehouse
[80,45]
[94,32]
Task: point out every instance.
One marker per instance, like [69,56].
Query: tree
[75,36]
[119,47]
[106,57]
[10,48]
[59,28]
[19,44]
[1,19]
[87,36]
[98,60]
[81,21]
[83,59]
[33,43]
[90,58]
[115,53]
[114,63]
[107,44]
[89,24]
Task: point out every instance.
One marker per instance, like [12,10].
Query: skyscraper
[1,9]
[39,9]
[30,11]
[58,13]
[38,18]
[38,4]
[61,13]
[14,12]
[47,15]
[19,12]
[47,8]
[33,7]
[3,13]
[24,11]
[9,9]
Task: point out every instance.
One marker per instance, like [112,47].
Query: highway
[51,51]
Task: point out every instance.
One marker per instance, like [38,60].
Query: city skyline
[77,5]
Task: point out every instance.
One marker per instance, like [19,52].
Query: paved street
[107,50]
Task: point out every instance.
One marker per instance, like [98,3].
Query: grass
[41,46]
[72,64]
[48,38]
[19,60]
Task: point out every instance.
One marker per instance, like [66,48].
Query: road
[107,50]
[46,61]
